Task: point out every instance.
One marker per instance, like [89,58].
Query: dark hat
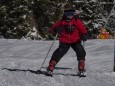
[69,7]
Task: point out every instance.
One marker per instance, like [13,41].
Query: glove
[58,29]
[84,37]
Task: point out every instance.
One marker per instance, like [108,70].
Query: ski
[50,73]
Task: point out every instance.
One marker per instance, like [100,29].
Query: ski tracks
[97,68]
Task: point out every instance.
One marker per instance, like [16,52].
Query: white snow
[20,59]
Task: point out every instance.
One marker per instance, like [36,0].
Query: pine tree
[13,20]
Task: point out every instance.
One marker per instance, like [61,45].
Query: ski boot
[81,68]
[51,68]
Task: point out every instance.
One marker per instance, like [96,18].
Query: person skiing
[71,32]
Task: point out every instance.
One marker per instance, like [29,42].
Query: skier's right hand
[58,29]
[84,37]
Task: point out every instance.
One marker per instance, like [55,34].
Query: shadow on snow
[42,72]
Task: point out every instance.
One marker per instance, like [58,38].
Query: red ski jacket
[71,31]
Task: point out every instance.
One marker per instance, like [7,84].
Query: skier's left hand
[84,37]
[58,29]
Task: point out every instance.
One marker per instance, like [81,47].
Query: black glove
[58,29]
[84,37]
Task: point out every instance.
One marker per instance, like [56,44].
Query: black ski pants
[64,47]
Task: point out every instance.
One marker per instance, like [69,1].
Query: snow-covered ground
[20,60]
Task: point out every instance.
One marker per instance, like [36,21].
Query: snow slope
[20,61]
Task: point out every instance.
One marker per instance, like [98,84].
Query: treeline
[32,18]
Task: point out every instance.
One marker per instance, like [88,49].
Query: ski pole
[83,44]
[109,15]
[49,51]
[114,51]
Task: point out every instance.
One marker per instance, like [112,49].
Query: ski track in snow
[20,61]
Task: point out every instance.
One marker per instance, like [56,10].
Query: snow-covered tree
[13,18]
[94,14]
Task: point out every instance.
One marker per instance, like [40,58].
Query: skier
[71,32]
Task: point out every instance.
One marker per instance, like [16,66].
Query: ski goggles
[69,13]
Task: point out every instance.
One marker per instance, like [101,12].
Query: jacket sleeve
[81,27]
[54,26]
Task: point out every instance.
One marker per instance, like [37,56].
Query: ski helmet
[69,10]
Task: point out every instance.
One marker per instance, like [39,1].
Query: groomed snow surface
[20,61]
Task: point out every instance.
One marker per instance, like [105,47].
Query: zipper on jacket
[70,33]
